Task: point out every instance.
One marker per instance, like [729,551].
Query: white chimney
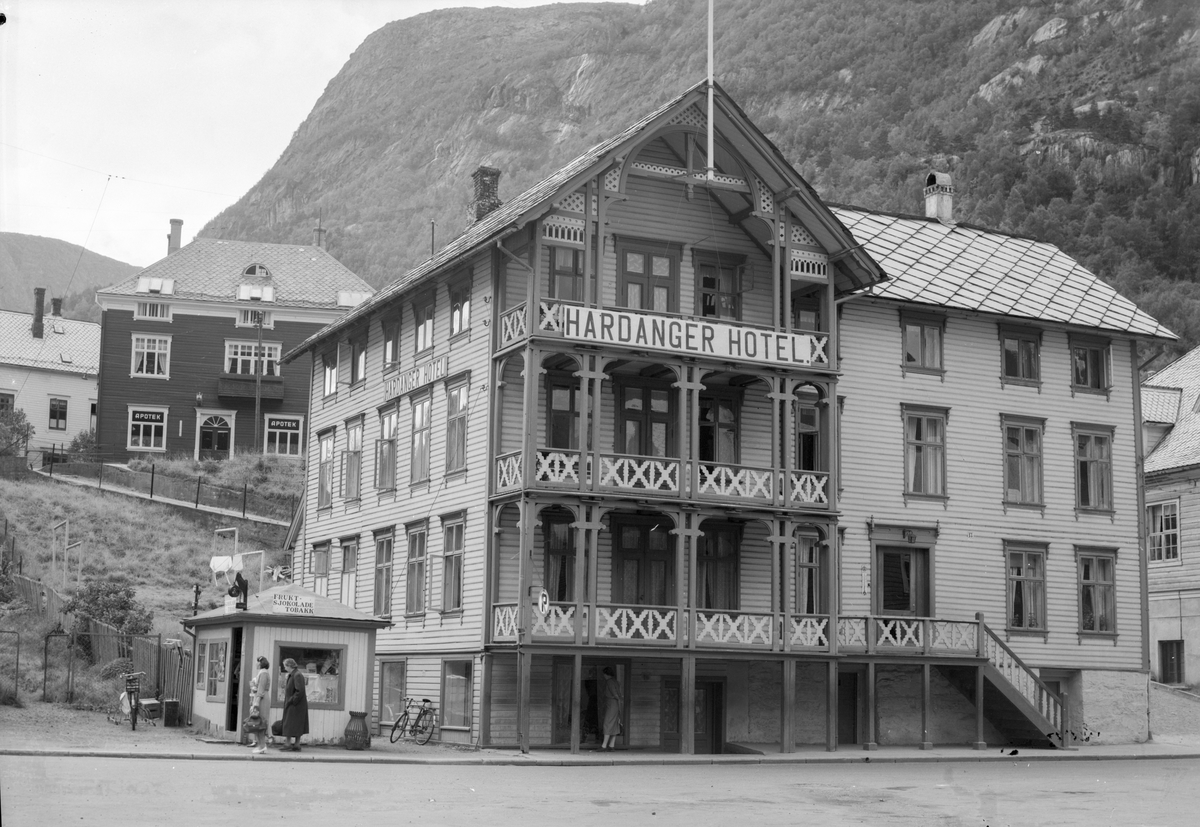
[939,197]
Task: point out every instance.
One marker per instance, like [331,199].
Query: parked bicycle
[417,721]
[131,699]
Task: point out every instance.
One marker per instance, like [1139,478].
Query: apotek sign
[714,340]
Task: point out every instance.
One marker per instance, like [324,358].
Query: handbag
[254,723]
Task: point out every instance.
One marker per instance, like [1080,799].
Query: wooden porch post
[787,718]
[485,702]
[831,706]
[576,723]
[687,705]
[870,744]
[524,666]
[926,708]
[979,742]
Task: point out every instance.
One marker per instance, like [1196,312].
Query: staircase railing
[1023,679]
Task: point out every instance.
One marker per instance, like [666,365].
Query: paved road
[57,790]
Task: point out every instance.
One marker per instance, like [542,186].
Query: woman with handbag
[260,692]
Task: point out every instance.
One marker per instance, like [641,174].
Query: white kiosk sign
[293,604]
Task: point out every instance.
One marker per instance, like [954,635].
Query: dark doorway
[591,701]
[710,717]
[232,719]
[1170,661]
[902,581]
[847,694]
[214,438]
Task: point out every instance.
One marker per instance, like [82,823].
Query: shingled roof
[66,346]
[1180,448]
[964,267]
[213,269]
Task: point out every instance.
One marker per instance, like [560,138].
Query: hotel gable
[803,476]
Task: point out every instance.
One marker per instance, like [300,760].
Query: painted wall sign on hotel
[418,377]
[690,336]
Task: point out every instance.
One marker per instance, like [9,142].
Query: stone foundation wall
[1115,709]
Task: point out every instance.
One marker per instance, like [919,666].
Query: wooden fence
[168,667]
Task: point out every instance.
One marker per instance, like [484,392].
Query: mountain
[29,261]
[1076,122]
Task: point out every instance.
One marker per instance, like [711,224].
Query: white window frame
[1099,476]
[141,314]
[325,441]
[460,308]
[458,718]
[384,561]
[52,419]
[245,318]
[1030,464]
[422,438]
[245,352]
[1104,366]
[423,325]
[352,460]
[416,568]
[1032,588]
[454,537]
[329,373]
[386,464]
[287,432]
[141,344]
[129,424]
[1163,543]
[924,323]
[1098,588]
[917,448]
[456,426]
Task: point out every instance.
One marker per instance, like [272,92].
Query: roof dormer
[147,284]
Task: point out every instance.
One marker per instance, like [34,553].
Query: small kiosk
[333,644]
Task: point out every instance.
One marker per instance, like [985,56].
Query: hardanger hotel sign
[712,340]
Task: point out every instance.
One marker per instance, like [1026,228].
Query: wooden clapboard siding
[515,277]
[509,435]
[754,576]
[1183,573]
[503,718]
[754,426]
[507,550]
[973,521]
[443,496]
[35,388]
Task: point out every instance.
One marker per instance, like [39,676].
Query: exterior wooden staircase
[1015,700]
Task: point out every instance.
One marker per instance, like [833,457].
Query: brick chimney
[173,238]
[56,308]
[318,236]
[487,191]
[939,197]
[39,311]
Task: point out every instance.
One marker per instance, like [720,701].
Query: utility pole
[258,323]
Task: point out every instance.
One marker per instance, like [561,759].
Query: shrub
[112,601]
[116,668]
[15,432]
[83,447]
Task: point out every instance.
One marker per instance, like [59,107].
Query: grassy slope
[162,550]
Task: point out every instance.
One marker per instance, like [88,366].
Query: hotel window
[719,284]
[1093,467]
[563,395]
[352,461]
[157,311]
[58,415]
[1090,370]
[1162,520]
[566,277]
[452,564]
[151,356]
[808,436]
[1097,591]
[325,470]
[1020,356]
[456,427]
[456,694]
[283,435]
[329,369]
[251,318]
[717,567]
[646,420]
[240,358]
[1026,581]
[358,360]
[719,429]
[460,309]
[558,540]
[925,451]
[391,343]
[385,450]
[320,560]
[423,321]
[1022,460]
[922,339]
[414,603]
[147,428]
[383,572]
[422,411]
[810,584]
[649,276]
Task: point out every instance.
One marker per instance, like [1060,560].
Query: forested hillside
[29,261]
[1076,122]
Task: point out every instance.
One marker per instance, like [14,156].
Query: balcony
[705,629]
[240,386]
[556,469]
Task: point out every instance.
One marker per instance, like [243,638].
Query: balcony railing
[657,625]
[555,467]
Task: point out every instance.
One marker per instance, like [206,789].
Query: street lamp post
[258,323]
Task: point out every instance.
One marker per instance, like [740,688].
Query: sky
[119,115]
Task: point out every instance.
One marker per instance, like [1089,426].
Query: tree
[112,601]
[15,432]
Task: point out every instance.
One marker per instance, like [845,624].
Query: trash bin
[171,712]
[357,735]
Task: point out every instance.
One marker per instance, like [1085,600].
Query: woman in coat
[260,694]
[295,707]
[612,708]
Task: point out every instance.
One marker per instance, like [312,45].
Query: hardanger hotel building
[803,475]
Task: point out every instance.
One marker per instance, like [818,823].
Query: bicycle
[132,697]
[421,729]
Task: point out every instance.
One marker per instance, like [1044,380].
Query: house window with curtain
[719,429]
[1162,520]
[460,309]
[422,412]
[456,427]
[385,450]
[922,335]
[1097,591]
[558,538]
[415,595]
[563,395]
[352,461]
[1093,467]
[391,343]
[810,585]
[383,572]
[925,451]
[1026,586]
[1020,356]
[566,278]
[456,694]
[1090,371]
[325,470]
[453,531]
[717,567]
[1022,460]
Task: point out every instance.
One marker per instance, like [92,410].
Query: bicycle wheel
[423,728]
[399,727]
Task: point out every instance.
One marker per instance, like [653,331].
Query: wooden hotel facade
[743,447]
